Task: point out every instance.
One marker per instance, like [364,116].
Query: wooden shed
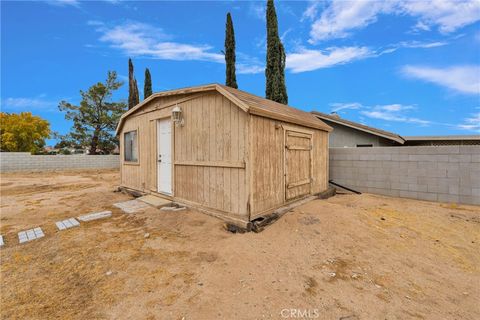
[225,152]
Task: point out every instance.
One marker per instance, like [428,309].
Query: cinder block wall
[434,173]
[24,161]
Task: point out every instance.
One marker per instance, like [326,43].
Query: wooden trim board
[222,164]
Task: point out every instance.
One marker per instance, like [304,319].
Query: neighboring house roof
[246,101]
[381,133]
[441,138]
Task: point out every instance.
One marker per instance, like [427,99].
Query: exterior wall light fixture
[177,116]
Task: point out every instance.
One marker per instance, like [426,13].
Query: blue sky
[411,67]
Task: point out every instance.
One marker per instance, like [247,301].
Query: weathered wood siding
[268,163]
[225,160]
[210,154]
[142,175]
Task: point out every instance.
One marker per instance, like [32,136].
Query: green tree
[147,88]
[133,97]
[65,142]
[23,132]
[96,118]
[65,151]
[275,88]
[231,78]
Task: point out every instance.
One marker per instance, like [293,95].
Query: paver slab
[74,222]
[60,225]
[131,206]
[38,233]
[154,200]
[30,234]
[95,216]
[67,224]
[22,237]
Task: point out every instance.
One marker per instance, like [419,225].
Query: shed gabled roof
[381,133]
[246,101]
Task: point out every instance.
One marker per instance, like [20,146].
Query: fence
[24,161]
[434,173]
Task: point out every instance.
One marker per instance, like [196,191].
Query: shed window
[131,151]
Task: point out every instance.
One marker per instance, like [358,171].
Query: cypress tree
[133,98]
[147,88]
[231,79]
[275,88]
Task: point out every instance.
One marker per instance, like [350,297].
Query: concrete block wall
[433,173]
[24,161]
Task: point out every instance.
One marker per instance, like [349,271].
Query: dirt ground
[348,257]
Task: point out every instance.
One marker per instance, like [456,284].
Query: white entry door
[164,156]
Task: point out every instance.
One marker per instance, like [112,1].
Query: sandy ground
[348,257]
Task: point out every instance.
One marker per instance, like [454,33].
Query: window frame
[131,162]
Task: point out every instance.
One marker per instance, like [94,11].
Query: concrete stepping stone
[1,241]
[95,216]
[67,224]
[155,201]
[30,234]
[131,206]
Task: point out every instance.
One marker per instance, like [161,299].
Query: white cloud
[389,116]
[311,11]
[249,69]
[64,3]
[448,15]
[472,123]
[28,104]
[464,79]
[304,59]
[247,64]
[257,10]
[340,18]
[284,35]
[144,40]
[421,26]
[412,44]
[338,106]
[389,112]
[74,3]
[140,39]
[393,112]
[395,107]
[308,60]
[424,45]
